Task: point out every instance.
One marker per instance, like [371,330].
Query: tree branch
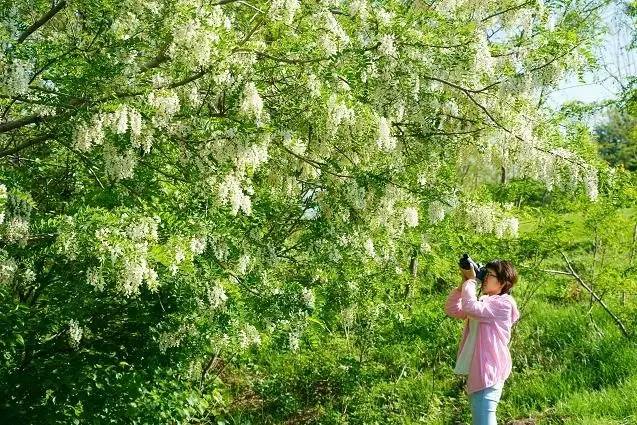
[25,145]
[594,295]
[12,125]
[502,12]
[43,20]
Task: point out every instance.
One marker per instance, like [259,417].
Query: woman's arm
[485,311]
[453,307]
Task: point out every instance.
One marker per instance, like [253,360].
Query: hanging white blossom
[436,212]
[231,192]
[387,46]
[369,248]
[18,76]
[385,141]
[75,333]
[308,297]
[252,104]
[249,336]
[411,216]
[119,166]
[120,120]
[217,296]
[198,245]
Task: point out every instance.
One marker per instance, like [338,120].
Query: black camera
[466,263]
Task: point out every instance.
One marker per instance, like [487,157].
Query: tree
[185,180]
[618,139]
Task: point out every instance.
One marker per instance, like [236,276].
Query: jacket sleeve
[453,308]
[489,310]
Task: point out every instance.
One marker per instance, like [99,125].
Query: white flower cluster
[28,275]
[251,157]
[328,44]
[17,230]
[143,229]
[252,104]
[135,122]
[166,105]
[231,193]
[248,336]
[564,167]
[293,143]
[122,120]
[3,199]
[133,273]
[483,61]
[308,298]
[425,246]
[314,85]
[437,212]
[348,316]
[18,76]
[337,114]
[449,6]
[193,41]
[385,141]
[355,194]
[244,264]
[198,245]
[591,182]
[359,9]
[173,339]
[8,268]
[526,156]
[368,245]
[247,158]
[334,27]
[180,255]
[90,134]
[487,218]
[75,333]
[507,227]
[555,167]
[384,16]
[284,10]
[411,216]
[387,47]
[294,339]
[216,296]
[128,251]
[119,166]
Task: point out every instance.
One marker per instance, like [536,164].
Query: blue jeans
[484,404]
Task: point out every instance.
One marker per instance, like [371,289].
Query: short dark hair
[506,274]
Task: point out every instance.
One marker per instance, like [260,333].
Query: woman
[483,353]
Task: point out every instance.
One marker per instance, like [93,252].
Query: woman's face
[490,284]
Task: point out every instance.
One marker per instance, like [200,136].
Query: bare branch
[594,295]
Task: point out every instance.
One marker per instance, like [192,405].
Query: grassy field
[571,364]
[566,371]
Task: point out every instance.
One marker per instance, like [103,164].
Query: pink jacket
[491,362]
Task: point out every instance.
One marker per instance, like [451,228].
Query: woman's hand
[468,274]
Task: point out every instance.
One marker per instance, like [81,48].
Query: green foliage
[251,211]
[617,139]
